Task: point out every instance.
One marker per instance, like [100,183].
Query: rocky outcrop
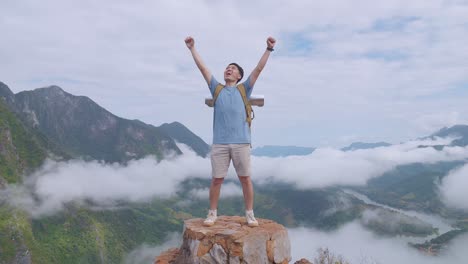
[168,256]
[230,240]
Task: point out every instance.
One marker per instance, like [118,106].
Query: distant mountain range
[460,132]
[284,151]
[281,151]
[363,145]
[81,128]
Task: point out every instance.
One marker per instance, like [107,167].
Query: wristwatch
[270,49]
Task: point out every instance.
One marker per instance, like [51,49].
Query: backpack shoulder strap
[218,89]
[247,105]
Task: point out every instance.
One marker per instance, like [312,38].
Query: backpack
[249,113]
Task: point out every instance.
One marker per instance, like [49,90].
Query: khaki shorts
[222,154]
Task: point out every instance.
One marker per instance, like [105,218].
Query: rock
[303,261]
[231,241]
[167,256]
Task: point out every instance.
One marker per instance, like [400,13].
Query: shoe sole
[253,225]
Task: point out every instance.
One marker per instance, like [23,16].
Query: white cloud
[228,189]
[58,183]
[358,245]
[325,167]
[453,188]
[433,122]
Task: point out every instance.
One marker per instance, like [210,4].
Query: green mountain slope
[20,152]
[83,236]
[19,148]
[413,187]
[80,235]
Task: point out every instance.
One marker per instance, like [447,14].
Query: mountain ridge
[281,151]
[86,130]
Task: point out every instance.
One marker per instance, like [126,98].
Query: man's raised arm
[263,60]
[190,42]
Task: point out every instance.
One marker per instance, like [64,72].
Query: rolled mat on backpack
[255,100]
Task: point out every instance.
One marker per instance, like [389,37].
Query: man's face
[232,73]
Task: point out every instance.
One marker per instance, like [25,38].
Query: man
[231,132]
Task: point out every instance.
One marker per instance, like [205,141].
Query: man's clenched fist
[270,42]
[190,42]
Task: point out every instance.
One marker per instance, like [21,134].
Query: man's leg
[241,160]
[215,189]
[220,159]
[247,189]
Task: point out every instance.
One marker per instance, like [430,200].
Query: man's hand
[190,42]
[271,42]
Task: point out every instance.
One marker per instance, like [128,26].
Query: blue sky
[341,71]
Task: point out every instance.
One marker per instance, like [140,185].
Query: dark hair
[241,71]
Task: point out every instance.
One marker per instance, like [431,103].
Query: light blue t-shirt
[229,119]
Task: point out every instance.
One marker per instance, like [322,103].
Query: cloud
[433,122]
[338,69]
[103,185]
[453,188]
[326,167]
[358,245]
[57,183]
[145,253]
[228,189]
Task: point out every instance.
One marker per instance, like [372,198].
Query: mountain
[281,151]
[84,129]
[183,135]
[458,131]
[364,145]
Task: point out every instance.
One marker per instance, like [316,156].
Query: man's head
[233,72]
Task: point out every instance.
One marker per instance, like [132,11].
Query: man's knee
[244,179]
[217,181]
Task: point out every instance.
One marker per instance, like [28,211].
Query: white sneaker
[251,221]
[211,218]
